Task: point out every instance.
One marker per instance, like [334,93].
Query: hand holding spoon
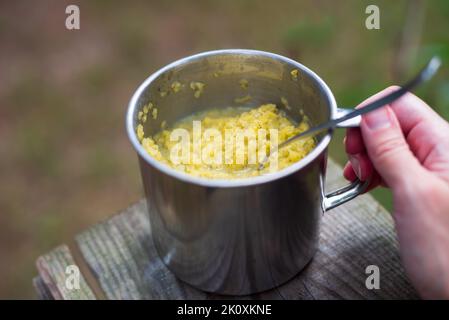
[425,74]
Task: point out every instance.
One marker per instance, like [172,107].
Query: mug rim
[227,183]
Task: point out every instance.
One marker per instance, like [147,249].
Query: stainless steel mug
[237,236]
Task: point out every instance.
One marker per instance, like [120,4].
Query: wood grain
[52,276]
[121,257]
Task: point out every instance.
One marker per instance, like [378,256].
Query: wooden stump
[117,259]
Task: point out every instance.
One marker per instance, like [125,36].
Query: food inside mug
[226,143]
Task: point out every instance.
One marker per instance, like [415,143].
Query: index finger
[422,127]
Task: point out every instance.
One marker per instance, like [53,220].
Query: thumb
[387,147]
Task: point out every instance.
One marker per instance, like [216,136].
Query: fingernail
[378,119]
[355,162]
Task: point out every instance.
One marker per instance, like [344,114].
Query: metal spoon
[425,74]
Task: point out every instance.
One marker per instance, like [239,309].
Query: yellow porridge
[236,139]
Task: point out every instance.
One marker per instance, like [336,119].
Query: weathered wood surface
[52,276]
[118,260]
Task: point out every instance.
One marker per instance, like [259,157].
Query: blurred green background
[64,157]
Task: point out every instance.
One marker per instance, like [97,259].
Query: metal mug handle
[357,187]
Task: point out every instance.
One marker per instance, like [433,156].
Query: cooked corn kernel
[197,87]
[176,86]
[294,73]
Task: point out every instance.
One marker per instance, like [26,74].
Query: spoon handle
[425,74]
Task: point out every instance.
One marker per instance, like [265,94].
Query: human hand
[405,146]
